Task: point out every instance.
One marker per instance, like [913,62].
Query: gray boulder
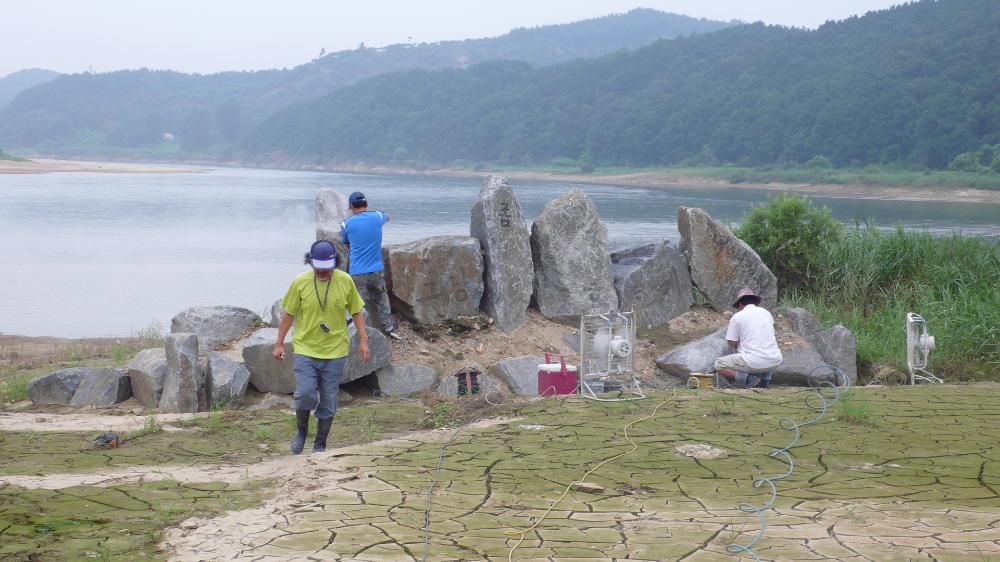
[520,373]
[379,350]
[147,371]
[214,325]
[498,224]
[180,386]
[274,314]
[653,281]
[838,347]
[436,279]
[798,360]
[696,357]
[803,322]
[405,379]
[332,208]
[268,374]
[721,264]
[229,379]
[57,387]
[102,387]
[489,385]
[569,250]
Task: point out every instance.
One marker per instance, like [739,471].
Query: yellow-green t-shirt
[301,302]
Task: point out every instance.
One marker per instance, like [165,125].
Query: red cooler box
[555,377]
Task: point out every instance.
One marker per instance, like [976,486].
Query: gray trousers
[317,382]
[371,287]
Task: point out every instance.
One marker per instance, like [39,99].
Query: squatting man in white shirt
[751,333]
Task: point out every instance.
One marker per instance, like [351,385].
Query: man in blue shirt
[362,233]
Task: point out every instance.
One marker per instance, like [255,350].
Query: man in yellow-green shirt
[317,301]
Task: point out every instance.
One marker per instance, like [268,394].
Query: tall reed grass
[869,279]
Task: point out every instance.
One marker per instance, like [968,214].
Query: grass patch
[855,410]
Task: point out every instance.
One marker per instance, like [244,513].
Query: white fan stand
[919,345]
[606,350]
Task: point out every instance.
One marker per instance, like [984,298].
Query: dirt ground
[44,166]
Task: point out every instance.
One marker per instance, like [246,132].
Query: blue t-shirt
[363,232]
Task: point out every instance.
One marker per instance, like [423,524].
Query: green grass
[855,410]
[6,156]
[872,278]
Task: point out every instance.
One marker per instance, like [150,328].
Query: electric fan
[606,345]
[919,345]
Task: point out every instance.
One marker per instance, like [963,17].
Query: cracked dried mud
[917,481]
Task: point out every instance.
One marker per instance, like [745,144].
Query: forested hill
[17,82]
[916,83]
[133,109]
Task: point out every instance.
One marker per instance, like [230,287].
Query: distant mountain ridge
[213,113]
[917,83]
[16,82]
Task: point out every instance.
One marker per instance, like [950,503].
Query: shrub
[564,162]
[789,234]
[587,168]
[819,162]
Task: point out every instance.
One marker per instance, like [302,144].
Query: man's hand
[363,350]
[279,351]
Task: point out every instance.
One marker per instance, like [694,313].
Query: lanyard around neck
[326,295]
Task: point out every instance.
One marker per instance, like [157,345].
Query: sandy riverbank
[45,166]
[661,179]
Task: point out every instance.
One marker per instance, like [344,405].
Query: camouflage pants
[371,287]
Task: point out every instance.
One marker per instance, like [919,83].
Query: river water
[87,254]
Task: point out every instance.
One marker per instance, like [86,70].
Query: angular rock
[721,264]
[379,351]
[520,373]
[274,314]
[697,356]
[838,347]
[273,400]
[214,325]
[405,379]
[102,387]
[268,374]
[436,279]
[180,386]
[569,250]
[489,385]
[803,322]
[653,281]
[147,371]
[229,379]
[573,341]
[57,387]
[498,224]
[332,208]
[799,359]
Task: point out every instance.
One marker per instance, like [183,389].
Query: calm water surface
[87,254]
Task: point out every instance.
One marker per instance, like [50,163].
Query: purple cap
[323,255]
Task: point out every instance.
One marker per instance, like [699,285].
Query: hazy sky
[213,35]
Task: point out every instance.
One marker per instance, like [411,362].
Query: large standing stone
[379,350]
[798,360]
[275,313]
[499,226]
[721,264]
[268,374]
[520,373]
[838,347]
[180,387]
[229,379]
[102,387]
[57,387]
[147,371]
[696,357]
[653,281]
[436,279]
[332,208]
[214,325]
[405,379]
[569,250]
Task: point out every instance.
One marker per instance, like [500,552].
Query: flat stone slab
[405,379]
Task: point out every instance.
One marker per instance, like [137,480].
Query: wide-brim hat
[746,293]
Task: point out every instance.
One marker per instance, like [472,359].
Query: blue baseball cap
[357,199]
[323,255]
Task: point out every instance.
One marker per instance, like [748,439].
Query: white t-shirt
[753,327]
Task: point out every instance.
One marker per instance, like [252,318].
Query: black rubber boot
[322,431]
[302,430]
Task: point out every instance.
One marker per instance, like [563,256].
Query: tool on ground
[468,381]
[702,380]
[606,358]
[106,440]
[555,377]
[919,345]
